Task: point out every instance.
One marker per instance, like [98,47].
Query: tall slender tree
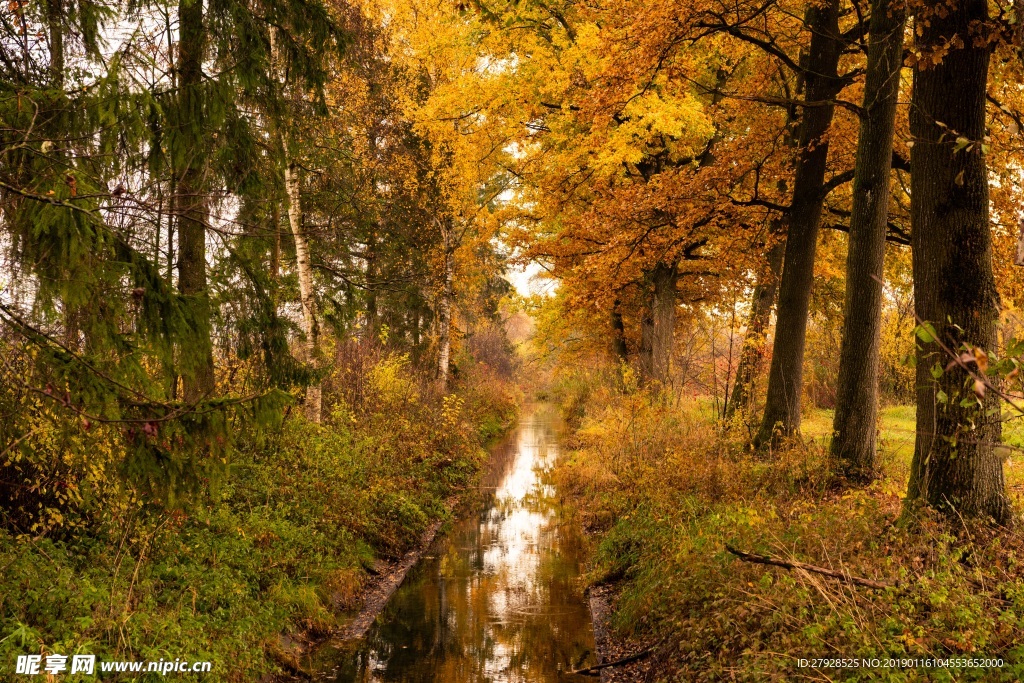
[853,440]
[196,357]
[822,84]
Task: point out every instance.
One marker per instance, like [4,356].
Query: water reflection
[493,600]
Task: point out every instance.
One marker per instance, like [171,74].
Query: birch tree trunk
[275,250]
[310,330]
[854,424]
[444,313]
[310,351]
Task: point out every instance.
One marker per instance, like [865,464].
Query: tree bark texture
[190,203]
[620,351]
[55,28]
[785,378]
[646,353]
[304,270]
[275,249]
[856,415]
[658,324]
[754,343]
[444,312]
[664,316]
[955,467]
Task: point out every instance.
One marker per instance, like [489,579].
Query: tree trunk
[646,353]
[275,249]
[55,27]
[955,467]
[304,269]
[55,30]
[785,379]
[854,424]
[372,315]
[444,312]
[310,352]
[1019,260]
[663,306]
[658,324]
[619,349]
[416,317]
[754,342]
[193,215]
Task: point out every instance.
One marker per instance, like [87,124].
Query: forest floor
[299,532]
[661,489]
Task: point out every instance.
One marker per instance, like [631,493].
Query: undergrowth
[662,489]
[276,553]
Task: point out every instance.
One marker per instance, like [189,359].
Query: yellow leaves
[648,119]
[451,409]
[391,382]
[924,58]
[981,358]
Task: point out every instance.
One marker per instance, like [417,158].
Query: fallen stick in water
[792,564]
[593,670]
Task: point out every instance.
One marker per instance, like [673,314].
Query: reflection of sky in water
[516,531]
[494,600]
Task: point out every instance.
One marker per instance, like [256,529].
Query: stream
[495,598]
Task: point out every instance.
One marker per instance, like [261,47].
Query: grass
[662,490]
[897,427]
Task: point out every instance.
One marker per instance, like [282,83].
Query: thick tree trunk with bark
[645,356]
[190,203]
[663,306]
[304,270]
[785,379]
[658,324]
[955,467]
[762,302]
[854,425]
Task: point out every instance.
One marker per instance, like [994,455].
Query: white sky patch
[532,279]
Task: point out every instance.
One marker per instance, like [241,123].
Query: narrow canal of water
[495,598]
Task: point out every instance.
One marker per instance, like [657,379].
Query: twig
[792,564]
[592,670]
